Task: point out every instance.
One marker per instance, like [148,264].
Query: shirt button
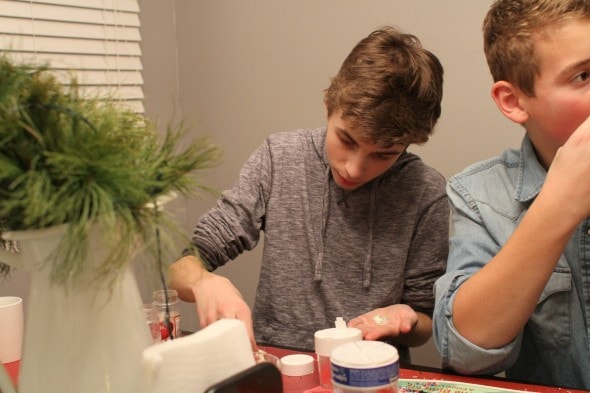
[588,232]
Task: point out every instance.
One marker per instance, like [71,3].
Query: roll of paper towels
[192,363]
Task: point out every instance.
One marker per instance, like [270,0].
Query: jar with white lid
[326,340]
[365,366]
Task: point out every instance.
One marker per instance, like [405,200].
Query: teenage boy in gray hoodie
[355,225]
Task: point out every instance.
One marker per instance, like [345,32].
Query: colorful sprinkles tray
[431,386]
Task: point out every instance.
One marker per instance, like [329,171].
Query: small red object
[164,331]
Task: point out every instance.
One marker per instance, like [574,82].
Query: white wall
[240,70]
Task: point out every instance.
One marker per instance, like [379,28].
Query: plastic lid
[328,339]
[365,364]
[159,296]
[364,354]
[297,365]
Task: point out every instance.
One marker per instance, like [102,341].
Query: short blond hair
[510,29]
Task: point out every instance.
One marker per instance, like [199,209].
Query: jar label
[365,377]
[175,326]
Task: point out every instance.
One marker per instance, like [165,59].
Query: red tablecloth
[12,369]
[311,381]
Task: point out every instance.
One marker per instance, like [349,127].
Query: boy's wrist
[193,252]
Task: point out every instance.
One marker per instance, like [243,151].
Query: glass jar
[153,322]
[169,315]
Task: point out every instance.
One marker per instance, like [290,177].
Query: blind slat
[122,5]
[117,93]
[42,28]
[34,10]
[69,45]
[85,77]
[74,62]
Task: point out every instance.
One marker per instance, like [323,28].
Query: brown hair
[390,87]
[510,29]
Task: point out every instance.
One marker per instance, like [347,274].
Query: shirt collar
[531,174]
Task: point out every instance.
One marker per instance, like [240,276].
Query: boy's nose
[355,168]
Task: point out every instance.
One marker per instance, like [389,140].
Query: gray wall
[246,69]
[240,70]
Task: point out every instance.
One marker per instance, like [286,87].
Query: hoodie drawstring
[325,200]
[372,211]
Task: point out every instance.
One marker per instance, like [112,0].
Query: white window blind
[97,41]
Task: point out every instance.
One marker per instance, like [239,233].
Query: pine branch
[67,159]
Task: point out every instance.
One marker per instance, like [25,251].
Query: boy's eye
[346,141]
[386,157]
[582,76]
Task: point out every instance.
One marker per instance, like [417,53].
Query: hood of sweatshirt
[319,142]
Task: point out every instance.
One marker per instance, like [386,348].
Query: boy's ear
[507,98]
[325,104]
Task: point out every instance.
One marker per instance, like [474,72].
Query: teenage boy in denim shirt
[516,295]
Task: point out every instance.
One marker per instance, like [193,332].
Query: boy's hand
[568,179]
[392,321]
[218,298]
[215,296]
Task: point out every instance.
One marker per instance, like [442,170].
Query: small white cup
[12,328]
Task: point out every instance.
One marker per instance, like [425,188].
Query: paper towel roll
[192,363]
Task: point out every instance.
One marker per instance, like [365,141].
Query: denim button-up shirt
[488,200]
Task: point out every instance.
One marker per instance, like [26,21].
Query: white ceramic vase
[83,340]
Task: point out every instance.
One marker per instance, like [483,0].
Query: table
[12,369]
[309,382]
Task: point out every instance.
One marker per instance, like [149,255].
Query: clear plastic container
[169,329]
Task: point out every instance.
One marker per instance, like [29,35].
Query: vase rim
[32,233]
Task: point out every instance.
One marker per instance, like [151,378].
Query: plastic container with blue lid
[365,366]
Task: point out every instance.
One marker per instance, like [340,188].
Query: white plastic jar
[325,341]
[365,366]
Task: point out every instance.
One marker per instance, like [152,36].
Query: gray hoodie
[328,252]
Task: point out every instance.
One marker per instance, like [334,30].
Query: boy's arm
[216,296]
[493,305]
[182,275]
[233,226]
[419,333]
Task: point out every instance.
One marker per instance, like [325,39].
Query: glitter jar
[168,301]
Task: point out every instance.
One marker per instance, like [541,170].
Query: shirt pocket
[550,322]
